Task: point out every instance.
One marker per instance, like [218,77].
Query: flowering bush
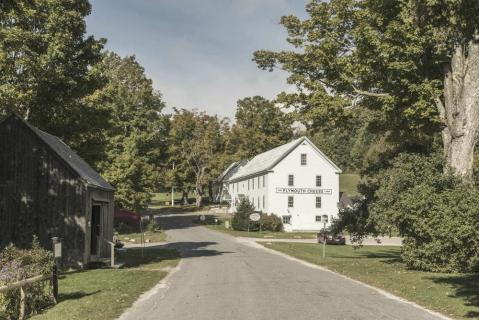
[19,264]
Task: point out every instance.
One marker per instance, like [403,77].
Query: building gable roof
[72,159]
[266,161]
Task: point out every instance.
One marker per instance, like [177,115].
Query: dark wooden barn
[47,190]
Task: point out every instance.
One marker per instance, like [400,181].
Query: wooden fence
[23,284]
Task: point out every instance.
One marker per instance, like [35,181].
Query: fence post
[55,282]
[21,313]
[112,246]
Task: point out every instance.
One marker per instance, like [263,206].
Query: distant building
[47,190]
[345,202]
[295,181]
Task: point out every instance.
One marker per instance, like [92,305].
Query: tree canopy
[47,67]
[134,134]
[390,56]
[260,125]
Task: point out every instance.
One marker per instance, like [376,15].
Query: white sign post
[325,220]
[254,217]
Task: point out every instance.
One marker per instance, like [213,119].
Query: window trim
[292,180]
[292,201]
[305,159]
[320,180]
[320,202]
[286,219]
[316,218]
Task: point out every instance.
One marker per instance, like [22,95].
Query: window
[253,200]
[290,180]
[290,201]
[318,218]
[264,183]
[286,219]
[303,159]
[318,202]
[318,181]
[258,182]
[248,184]
[259,204]
[263,202]
[252,183]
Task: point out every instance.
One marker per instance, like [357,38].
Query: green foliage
[260,126]
[241,220]
[435,213]
[195,142]
[19,264]
[135,135]
[271,222]
[47,68]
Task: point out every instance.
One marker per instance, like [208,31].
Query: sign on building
[304,190]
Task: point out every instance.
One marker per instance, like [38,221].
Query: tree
[195,141]
[415,61]
[260,126]
[135,134]
[47,67]
[241,218]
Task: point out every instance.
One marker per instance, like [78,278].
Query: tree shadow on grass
[385,255]
[466,288]
[75,295]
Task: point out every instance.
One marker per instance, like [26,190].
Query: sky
[198,52]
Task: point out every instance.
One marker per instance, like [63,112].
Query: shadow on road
[179,221]
[187,249]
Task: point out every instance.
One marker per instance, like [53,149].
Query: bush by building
[242,222]
[241,218]
[271,223]
[20,264]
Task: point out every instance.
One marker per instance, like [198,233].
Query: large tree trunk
[460,109]
[199,197]
[199,188]
[184,196]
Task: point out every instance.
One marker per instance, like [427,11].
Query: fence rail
[23,284]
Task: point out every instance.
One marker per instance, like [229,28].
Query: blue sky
[198,52]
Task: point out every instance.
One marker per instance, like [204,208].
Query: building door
[95,229]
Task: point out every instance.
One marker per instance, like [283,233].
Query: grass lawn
[455,295]
[348,182]
[106,293]
[160,198]
[263,234]
[132,231]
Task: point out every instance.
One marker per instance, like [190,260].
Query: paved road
[220,277]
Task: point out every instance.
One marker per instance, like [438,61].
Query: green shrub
[19,264]
[241,218]
[436,213]
[271,223]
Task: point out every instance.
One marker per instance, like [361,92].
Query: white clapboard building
[295,181]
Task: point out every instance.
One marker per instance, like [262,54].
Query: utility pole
[173,189]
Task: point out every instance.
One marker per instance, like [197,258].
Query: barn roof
[80,166]
[265,161]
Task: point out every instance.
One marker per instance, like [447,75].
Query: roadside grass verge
[263,234]
[157,236]
[454,295]
[126,232]
[106,293]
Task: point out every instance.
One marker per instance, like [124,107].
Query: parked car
[332,238]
